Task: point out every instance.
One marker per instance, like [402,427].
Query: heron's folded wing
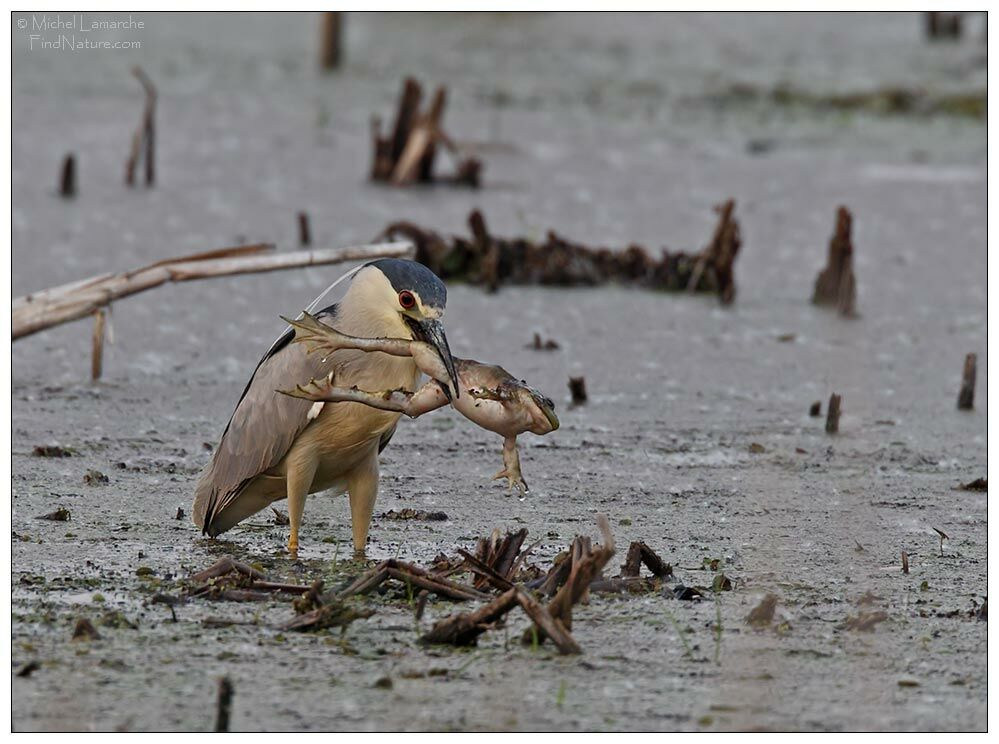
[261,431]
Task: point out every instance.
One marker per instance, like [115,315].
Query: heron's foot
[513,477]
[293,548]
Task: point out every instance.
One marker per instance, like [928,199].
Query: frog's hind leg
[319,337]
[427,398]
[511,466]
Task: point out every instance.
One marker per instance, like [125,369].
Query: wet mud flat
[696,437]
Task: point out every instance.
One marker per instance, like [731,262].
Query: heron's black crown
[415,277]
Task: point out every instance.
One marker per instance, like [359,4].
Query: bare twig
[335,614]
[720,254]
[143,140]
[943,536]
[41,310]
[942,25]
[498,553]
[417,157]
[639,553]
[97,345]
[409,105]
[463,629]
[557,576]
[832,415]
[441,587]
[67,177]
[587,564]
[407,572]
[280,517]
[498,580]
[277,586]
[223,705]
[381,162]
[330,34]
[367,582]
[224,566]
[835,284]
[408,154]
[552,627]
[966,398]
[222,622]
[577,389]
[304,234]
[433,120]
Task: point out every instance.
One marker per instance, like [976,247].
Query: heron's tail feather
[202,498]
[215,512]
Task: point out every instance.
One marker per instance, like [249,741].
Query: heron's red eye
[406,300]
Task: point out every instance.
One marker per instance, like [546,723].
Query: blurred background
[610,129]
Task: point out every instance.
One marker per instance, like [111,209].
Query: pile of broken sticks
[492,261]
[408,153]
[501,578]
[229,579]
[553,620]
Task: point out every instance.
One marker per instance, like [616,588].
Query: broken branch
[835,284]
[408,154]
[463,629]
[38,311]
[144,138]
[97,345]
[966,398]
[832,415]
[67,177]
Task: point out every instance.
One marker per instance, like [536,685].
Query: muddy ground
[610,130]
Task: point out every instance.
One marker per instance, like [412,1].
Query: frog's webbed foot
[484,393]
[511,466]
[513,479]
[314,390]
[316,335]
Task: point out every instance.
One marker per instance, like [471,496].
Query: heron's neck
[358,315]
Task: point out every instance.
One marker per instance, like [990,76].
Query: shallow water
[600,128]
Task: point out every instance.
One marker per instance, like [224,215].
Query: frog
[486,394]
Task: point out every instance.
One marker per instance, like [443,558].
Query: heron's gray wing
[386,438]
[262,428]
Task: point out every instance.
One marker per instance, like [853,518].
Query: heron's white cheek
[316,409]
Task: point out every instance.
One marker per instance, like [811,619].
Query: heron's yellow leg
[299,480]
[362,487]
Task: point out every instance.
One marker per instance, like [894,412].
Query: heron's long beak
[432,332]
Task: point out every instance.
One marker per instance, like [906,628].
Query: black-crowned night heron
[277,447]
